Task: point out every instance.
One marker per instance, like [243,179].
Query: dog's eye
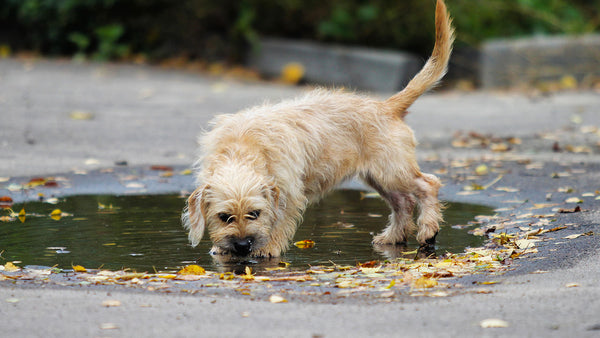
[226,218]
[252,215]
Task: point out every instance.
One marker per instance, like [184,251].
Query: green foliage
[109,29]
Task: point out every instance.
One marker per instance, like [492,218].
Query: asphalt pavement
[78,120]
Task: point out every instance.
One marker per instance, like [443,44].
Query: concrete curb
[533,61]
[331,65]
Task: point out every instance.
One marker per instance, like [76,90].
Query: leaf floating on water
[56,214]
[248,275]
[492,323]
[192,270]
[305,244]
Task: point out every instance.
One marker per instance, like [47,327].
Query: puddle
[144,233]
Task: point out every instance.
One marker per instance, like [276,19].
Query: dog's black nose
[242,246]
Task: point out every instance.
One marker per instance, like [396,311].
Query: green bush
[214,29]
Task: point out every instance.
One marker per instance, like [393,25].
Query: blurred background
[225,31]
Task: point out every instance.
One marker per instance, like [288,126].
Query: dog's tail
[434,69]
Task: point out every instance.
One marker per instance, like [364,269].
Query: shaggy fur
[261,167]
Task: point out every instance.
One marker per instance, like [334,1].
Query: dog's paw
[385,239]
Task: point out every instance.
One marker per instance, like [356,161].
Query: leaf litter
[382,280]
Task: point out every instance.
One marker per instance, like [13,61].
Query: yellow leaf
[192,269]
[292,72]
[4,51]
[482,170]
[186,172]
[10,267]
[425,282]
[81,115]
[79,268]
[56,214]
[248,275]
[22,212]
[489,283]
[305,244]
[226,276]
[568,82]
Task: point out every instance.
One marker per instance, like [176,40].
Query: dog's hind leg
[430,209]
[401,222]
[402,201]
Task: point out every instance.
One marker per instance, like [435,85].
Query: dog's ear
[194,215]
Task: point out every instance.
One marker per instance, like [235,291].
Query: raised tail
[433,70]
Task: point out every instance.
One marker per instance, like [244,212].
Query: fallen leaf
[305,244]
[573,200]
[79,268]
[192,270]
[292,73]
[161,168]
[10,267]
[569,211]
[571,285]
[493,322]
[108,326]
[111,303]
[481,170]
[81,115]
[277,299]
[56,214]
[425,282]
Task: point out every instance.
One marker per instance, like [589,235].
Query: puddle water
[144,233]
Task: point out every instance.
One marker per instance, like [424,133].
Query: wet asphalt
[93,126]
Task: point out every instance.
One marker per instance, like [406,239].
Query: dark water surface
[144,233]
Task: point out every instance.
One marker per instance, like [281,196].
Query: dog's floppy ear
[194,215]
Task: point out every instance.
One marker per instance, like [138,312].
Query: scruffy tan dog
[261,167]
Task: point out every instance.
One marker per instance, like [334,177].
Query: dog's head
[238,207]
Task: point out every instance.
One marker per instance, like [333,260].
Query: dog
[261,167]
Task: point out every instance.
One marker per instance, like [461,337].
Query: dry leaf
[10,267]
[573,200]
[493,322]
[292,72]
[192,270]
[79,268]
[111,303]
[481,170]
[425,282]
[277,299]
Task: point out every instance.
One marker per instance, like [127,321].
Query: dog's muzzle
[242,246]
